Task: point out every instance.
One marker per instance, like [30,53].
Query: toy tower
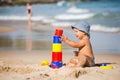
[57,49]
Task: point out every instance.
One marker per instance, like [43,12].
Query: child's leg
[82,59]
[79,61]
[85,61]
[72,62]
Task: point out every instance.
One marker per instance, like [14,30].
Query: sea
[103,16]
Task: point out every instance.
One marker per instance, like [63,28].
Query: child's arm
[79,44]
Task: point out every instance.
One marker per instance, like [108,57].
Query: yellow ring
[57,48]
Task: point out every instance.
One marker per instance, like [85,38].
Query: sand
[26,65]
[7,29]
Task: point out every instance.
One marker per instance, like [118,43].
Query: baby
[85,55]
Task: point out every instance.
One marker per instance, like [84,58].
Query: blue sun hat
[82,26]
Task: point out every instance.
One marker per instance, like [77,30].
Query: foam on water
[77,10]
[74,16]
[98,27]
[34,18]
[62,24]
[62,3]
[94,27]
[13,18]
[37,18]
[47,20]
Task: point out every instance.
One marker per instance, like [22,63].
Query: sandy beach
[26,65]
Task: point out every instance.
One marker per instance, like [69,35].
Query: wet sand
[26,65]
[15,36]
[7,29]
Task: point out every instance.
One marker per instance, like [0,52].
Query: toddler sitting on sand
[85,55]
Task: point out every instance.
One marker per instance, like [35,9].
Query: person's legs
[79,61]
[82,59]
[72,62]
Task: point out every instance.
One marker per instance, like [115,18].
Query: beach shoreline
[8,23]
[16,32]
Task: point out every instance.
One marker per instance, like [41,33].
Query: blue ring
[56,39]
[56,64]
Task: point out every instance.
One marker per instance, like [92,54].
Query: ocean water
[102,15]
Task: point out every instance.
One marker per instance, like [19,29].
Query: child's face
[78,33]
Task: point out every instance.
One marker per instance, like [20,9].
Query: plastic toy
[56,64]
[44,63]
[57,50]
[105,66]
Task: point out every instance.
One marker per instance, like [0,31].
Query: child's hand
[64,38]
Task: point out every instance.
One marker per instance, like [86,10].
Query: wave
[62,24]
[34,18]
[99,27]
[65,23]
[94,27]
[63,3]
[47,20]
[77,10]
[74,16]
